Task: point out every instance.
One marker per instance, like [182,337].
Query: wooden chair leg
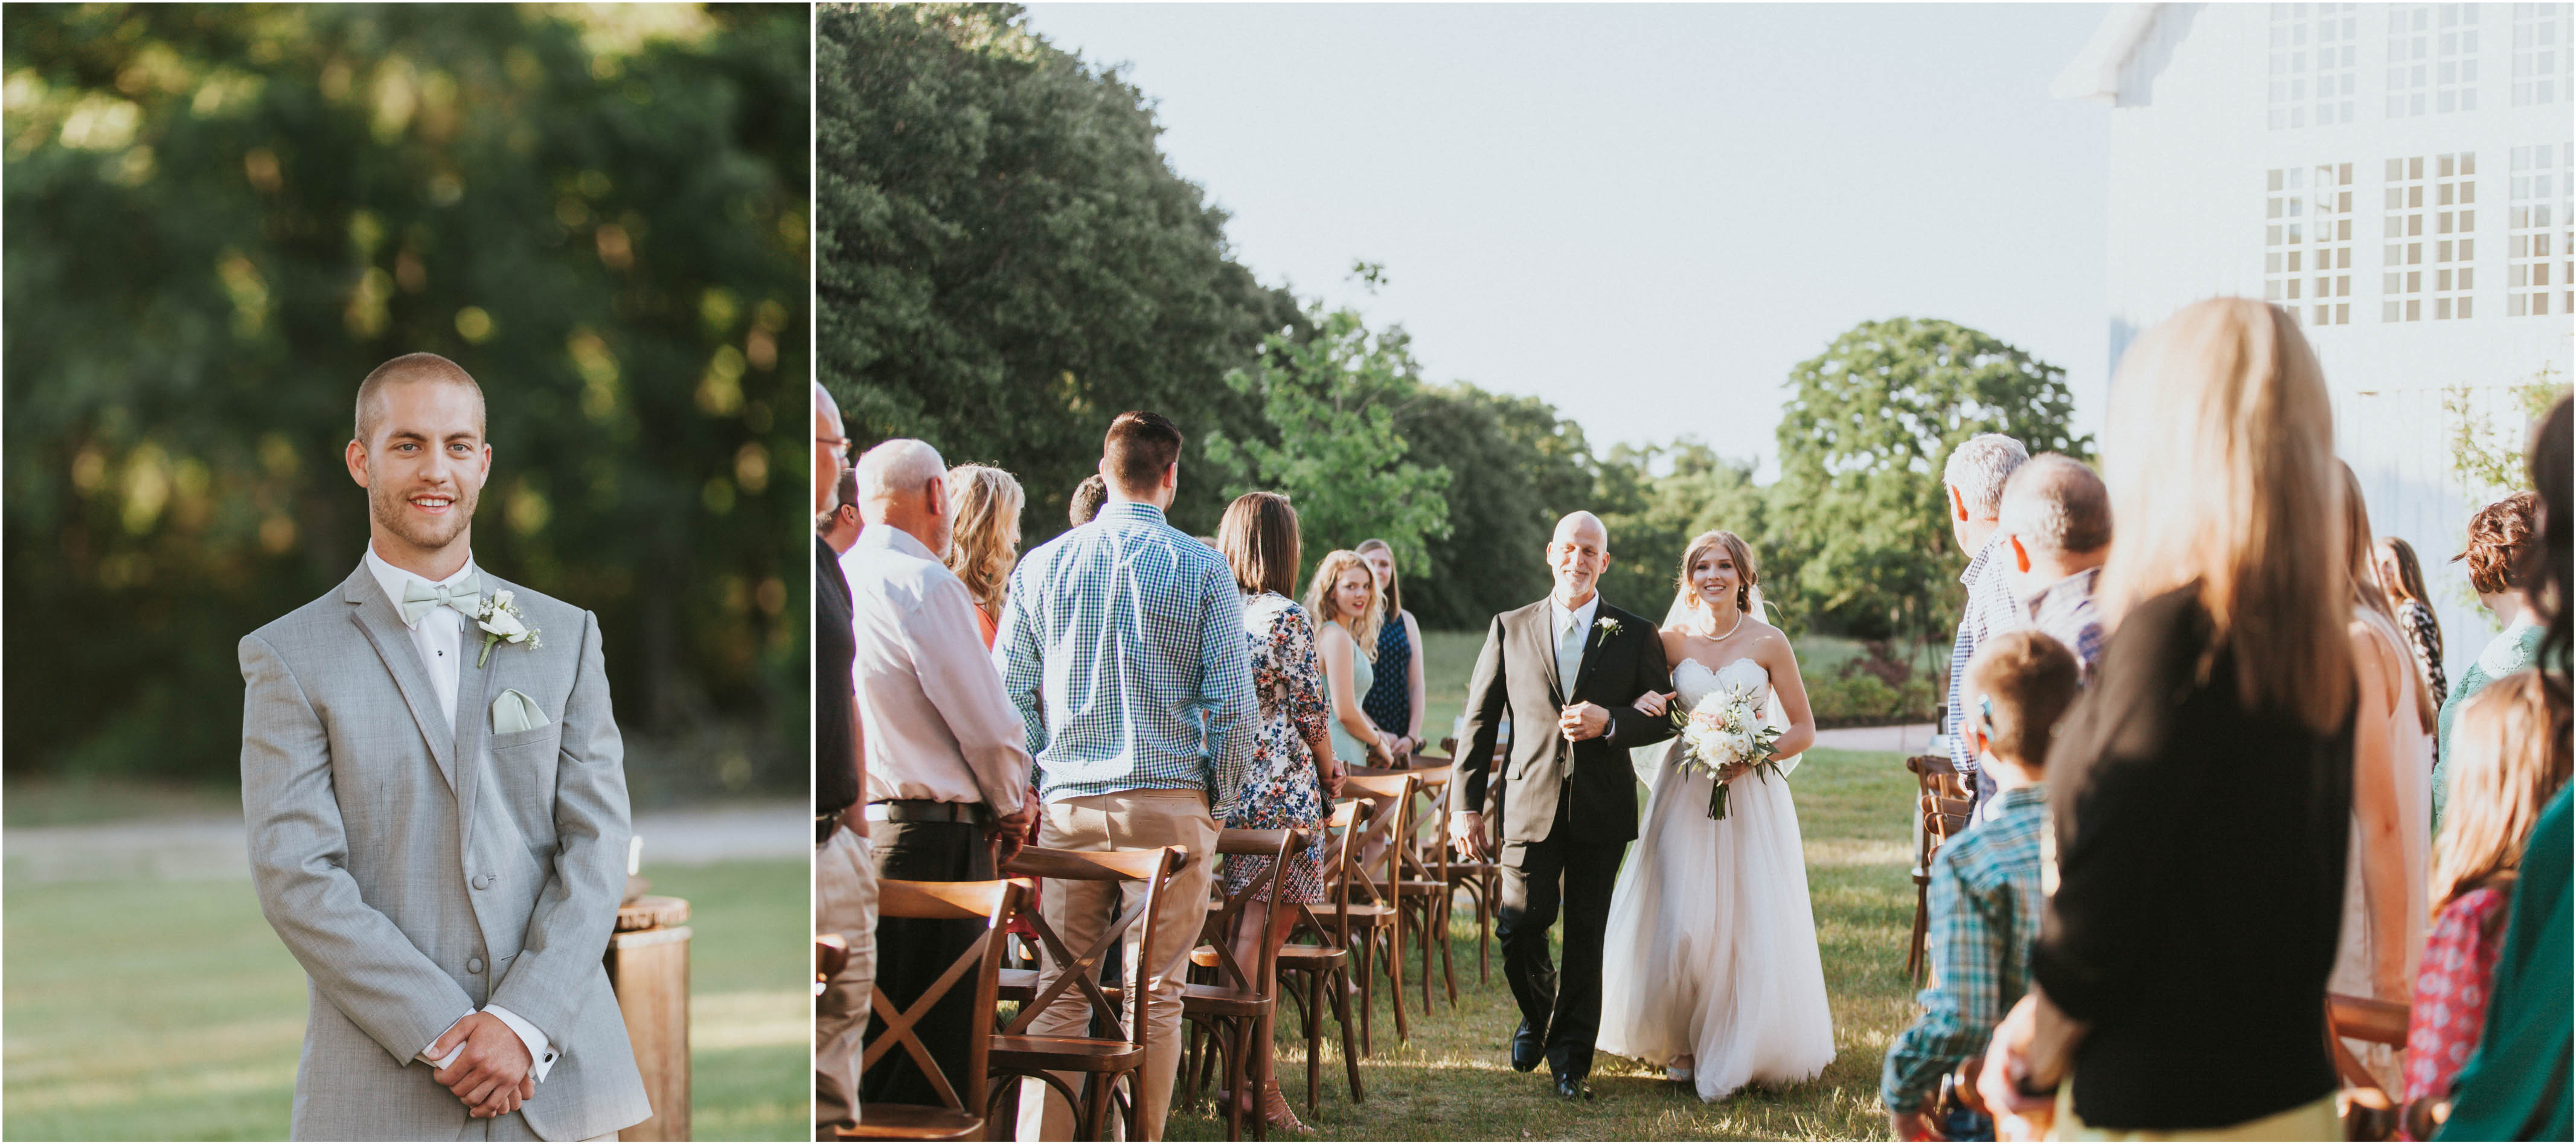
[1395,979]
[1350,1060]
[1368,994]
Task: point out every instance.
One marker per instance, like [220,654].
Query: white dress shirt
[1571,629]
[937,724]
[439,637]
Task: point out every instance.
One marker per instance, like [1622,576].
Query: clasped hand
[491,1073]
[1580,721]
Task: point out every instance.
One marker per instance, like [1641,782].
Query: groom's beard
[392,510]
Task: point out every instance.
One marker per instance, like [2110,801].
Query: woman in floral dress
[1294,774]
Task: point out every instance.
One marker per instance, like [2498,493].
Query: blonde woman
[2201,787]
[2392,798]
[2503,775]
[985,542]
[1347,607]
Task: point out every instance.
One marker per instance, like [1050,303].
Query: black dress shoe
[1528,1049]
[1572,1089]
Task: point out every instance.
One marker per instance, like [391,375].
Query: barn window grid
[2541,57]
[2432,59]
[2539,265]
[2307,242]
[2430,226]
[2315,64]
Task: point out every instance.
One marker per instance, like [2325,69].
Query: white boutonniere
[502,622]
[1609,626]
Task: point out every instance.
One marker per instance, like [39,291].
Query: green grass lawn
[1452,1082]
[141,1010]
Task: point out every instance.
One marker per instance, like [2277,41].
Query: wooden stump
[648,966]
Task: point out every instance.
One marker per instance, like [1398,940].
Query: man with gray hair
[845,879]
[1973,482]
[2056,522]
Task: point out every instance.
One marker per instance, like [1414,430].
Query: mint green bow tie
[419,596]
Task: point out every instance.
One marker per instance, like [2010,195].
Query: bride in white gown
[1711,966]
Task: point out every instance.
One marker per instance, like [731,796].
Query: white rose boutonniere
[502,622]
[1609,626]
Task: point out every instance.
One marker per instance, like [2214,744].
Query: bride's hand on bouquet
[1655,702]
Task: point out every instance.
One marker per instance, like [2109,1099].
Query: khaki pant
[845,903]
[2315,1120]
[1080,912]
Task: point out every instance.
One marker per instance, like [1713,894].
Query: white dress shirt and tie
[437,615]
[946,756]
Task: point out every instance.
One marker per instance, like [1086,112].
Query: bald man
[436,797]
[1564,671]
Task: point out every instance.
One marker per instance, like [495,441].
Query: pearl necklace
[1715,638]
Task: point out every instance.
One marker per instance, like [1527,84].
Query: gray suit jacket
[420,871]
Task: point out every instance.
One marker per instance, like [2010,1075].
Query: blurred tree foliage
[1859,504]
[220,218]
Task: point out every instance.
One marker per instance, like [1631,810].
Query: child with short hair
[1985,892]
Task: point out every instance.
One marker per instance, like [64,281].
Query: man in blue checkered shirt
[1973,482]
[1985,886]
[1122,644]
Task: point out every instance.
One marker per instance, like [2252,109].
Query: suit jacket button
[473,965]
[482,881]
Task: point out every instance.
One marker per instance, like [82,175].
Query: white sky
[1645,214]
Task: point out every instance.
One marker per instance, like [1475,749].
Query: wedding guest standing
[1973,483]
[2515,1087]
[1087,499]
[2182,960]
[2384,892]
[1294,774]
[2401,578]
[2498,536]
[845,873]
[2504,777]
[986,542]
[1122,646]
[1348,608]
[839,524]
[1394,702]
[2055,521]
[947,764]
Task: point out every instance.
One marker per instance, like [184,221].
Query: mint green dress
[1363,677]
[2514,649]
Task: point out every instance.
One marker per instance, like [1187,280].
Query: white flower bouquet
[1723,735]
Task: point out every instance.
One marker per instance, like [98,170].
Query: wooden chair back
[1154,868]
[1340,855]
[1378,859]
[977,968]
[1219,929]
[2369,1111]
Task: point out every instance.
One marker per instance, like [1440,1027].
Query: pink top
[2450,1006]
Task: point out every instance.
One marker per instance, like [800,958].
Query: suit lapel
[1541,627]
[473,719]
[1592,641]
[375,616]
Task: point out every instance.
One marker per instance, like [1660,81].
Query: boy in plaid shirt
[1985,894]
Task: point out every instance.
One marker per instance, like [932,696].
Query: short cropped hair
[2028,679]
[1979,467]
[2497,536]
[1140,446]
[1087,499]
[2056,503]
[1258,536]
[410,367]
[897,466]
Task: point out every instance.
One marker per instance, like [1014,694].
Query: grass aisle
[142,1010]
[1452,1082]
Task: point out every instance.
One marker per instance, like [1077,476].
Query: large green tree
[219,218]
[1862,444]
[1671,494]
[1007,262]
[1329,403]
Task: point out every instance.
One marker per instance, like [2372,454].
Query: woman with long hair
[984,542]
[1395,701]
[2392,774]
[1348,609]
[2401,579]
[2202,785]
[1293,774]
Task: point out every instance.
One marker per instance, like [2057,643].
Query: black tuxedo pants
[1540,878]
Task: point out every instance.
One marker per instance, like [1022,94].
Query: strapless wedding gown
[1712,945]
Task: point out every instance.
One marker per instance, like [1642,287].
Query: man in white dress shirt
[436,799]
[947,760]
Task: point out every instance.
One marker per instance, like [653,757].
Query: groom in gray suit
[436,797]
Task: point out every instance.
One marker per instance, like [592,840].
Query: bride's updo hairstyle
[2219,453]
[1686,600]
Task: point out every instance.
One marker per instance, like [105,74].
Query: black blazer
[836,699]
[2200,884]
[1517,672]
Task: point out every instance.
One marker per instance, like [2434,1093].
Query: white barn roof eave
[2094,73]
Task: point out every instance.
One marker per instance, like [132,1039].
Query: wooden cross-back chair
[1366,885]
[1102,1061]
[976,968]
[1481,878]
[1942,803]
[1322,969]
[2369,1111]
[1230,1003]
[1423,886]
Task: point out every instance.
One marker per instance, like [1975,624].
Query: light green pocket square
[516,712]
